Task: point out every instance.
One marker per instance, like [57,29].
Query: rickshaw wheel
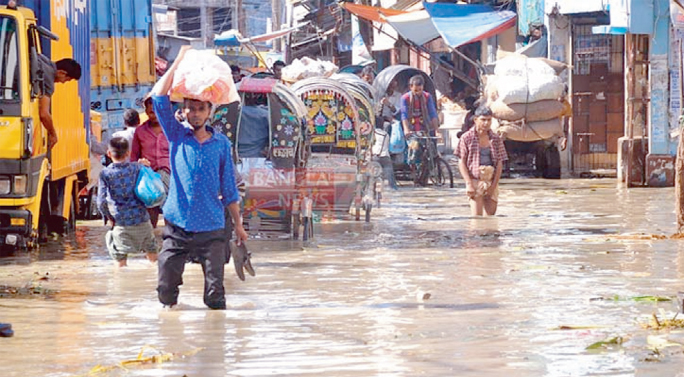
[441,175]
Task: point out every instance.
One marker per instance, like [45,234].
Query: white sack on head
[203,76]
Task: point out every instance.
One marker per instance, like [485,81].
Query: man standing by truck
[62,71]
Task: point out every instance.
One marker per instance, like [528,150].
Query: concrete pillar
[660,160]
[560,49]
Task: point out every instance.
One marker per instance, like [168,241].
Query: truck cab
[37,185]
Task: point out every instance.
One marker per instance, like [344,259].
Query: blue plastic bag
[149,188]
[397,142]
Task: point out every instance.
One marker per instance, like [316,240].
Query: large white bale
[531,112]
[516,89]
[533,131]
[520,65]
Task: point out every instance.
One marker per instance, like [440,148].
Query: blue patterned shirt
[202,175]
[116,197]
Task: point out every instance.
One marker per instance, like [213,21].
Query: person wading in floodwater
[418,117]
[201,170]
[150,148]
[482,154]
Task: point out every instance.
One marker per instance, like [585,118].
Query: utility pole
[239,22]
[276,13]
[203,21]
[679,181]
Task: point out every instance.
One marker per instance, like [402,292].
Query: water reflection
[423,290]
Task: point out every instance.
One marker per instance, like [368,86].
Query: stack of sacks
[203,76]
[306,68]
[526,91]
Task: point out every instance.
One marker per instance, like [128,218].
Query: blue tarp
[228,39]
[459,24]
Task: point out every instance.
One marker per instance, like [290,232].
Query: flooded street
[424,290]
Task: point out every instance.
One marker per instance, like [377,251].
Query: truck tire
[43,216]
[93,212]
[552,166]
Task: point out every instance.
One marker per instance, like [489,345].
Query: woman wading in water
[482,154]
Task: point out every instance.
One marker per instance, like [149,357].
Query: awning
[370,13]
[462,24]
[416,27]
[384,37]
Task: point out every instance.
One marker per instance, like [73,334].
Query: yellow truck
[38,187]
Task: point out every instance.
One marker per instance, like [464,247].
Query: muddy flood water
[560,283]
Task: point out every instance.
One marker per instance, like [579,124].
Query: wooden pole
[631,93]
[679,181]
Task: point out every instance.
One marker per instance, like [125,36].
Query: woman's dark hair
[483,111]
[118,147]
[131,118]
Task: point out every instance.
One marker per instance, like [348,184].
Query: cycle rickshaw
[269,145]
[365,97]
[432,168]
[340,146]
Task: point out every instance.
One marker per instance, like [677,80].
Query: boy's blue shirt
[202,174]
[116,197]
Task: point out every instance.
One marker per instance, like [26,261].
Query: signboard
[675,80]
[676,15]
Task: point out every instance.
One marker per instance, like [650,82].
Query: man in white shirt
[131,121]
[382,156]
[390,103]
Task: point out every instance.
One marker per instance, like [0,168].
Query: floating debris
[159,358]
[607,343]
[638,237]
[634,298]
[29,290]
[565,327]
[660,324]
[660,342]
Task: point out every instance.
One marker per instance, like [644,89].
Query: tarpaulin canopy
[416,27]
[370,13]
[460,24]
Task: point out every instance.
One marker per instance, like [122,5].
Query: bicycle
[432,169]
